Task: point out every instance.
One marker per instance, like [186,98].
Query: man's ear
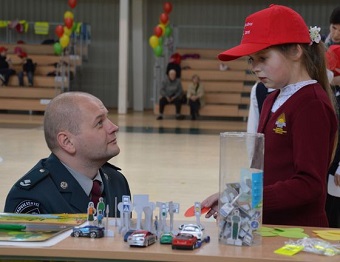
[65,141]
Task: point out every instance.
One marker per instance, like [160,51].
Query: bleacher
[227,93]
[52,77]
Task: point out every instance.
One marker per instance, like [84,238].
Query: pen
[12,227]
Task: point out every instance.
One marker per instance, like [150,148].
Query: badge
[63,185]
[26,182]
[280,124]
[28,207]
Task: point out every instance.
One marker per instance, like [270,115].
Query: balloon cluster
[162,30]
[64,31]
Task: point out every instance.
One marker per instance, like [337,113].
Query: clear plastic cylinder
[240,188]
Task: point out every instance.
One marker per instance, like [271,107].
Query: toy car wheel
[93,235]
[198,244]
[207,239]
[76,234]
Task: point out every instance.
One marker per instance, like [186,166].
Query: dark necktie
[96,192]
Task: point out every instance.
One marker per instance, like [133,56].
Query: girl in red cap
[298,120]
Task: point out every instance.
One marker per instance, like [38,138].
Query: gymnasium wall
[197,23]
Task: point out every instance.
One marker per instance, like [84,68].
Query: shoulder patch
[32,178]
[28,207]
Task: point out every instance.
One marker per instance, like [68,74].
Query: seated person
[175,63]
[195,96]
[5,66]
[28,68]
[82,139]
[171,93]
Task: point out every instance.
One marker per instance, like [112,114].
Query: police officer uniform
[49,188]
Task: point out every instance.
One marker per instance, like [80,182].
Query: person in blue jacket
[82,139]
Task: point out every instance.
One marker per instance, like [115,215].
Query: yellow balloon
[64,40]
[68,14]
[67,31]
[163,28]
[153,41]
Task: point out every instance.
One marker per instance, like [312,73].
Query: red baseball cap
[22,54]
[274,25]
[333,59]
[2,48]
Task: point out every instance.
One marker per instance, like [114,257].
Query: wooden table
[115,249]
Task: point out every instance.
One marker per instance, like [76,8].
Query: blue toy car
[88,231]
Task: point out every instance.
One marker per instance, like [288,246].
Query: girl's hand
[212,203]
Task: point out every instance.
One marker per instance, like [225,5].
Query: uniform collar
[84,181]
[287,91]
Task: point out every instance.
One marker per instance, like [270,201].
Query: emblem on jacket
[28,207]
[280,124]
[63,185]
[26,182]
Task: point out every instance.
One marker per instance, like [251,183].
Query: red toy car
[184,241]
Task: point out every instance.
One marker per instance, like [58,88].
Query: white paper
[333,189]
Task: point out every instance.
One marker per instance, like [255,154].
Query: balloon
[57,48]
[68,14]
[67,31]
[164,18]
[59,30]
[153,41]
[72,3]
[68,22]
[160,41]
[158,50]
[64,40]
[158,31]
[167,7]
[168,31]
[74,27]
[163,28]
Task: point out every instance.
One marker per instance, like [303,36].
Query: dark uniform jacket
[49,188]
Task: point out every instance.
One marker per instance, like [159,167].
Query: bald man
[81,139]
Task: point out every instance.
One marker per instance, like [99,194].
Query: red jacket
[299,140]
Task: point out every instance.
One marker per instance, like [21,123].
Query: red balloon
[68,22]
[158,31]
[167,7]
[164,18]
[72,3]
[59,30]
